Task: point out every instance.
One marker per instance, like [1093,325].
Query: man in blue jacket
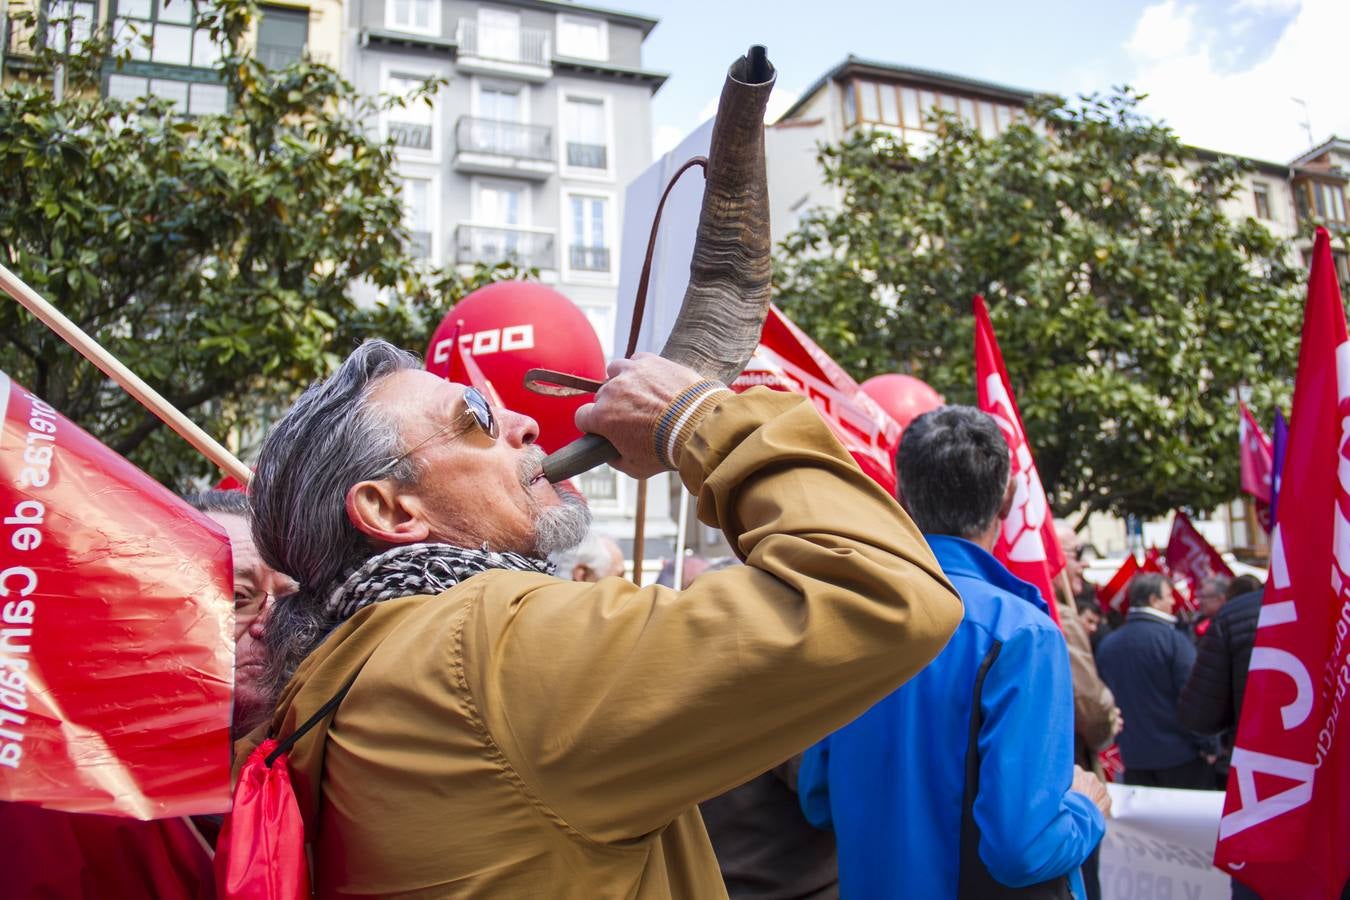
[1146,663]
[962,782]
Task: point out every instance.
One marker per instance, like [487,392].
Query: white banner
[1159,845]
[674,243]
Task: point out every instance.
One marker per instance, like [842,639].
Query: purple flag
[1279,437]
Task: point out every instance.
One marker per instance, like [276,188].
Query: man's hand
[1091,786]
[627,407]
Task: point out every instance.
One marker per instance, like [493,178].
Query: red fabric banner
[116,629]
[1191,559]
[1111,595]
[1258,455]
[1285,830]
[1028,545]
[788,360]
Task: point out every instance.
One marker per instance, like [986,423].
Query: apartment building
[523,153]
[178,59]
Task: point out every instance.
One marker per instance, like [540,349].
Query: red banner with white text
[1285,830]
[1027,545]
[788,360]
[116,629]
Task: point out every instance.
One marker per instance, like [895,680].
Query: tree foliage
[215,256]
[1128,306]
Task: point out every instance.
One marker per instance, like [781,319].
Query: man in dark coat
[1145,663]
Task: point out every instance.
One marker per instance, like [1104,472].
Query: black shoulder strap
[323,712]
[973,880]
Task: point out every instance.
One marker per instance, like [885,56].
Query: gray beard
[556,528]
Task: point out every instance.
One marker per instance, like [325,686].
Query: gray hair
[952,468]
[331,439]
[233,503]
[1218,584]
[1143,588]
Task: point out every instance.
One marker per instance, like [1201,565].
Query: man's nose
[259,622]
[519,430]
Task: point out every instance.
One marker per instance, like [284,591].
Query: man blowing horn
[511,734]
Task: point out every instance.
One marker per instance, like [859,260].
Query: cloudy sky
[1225,74]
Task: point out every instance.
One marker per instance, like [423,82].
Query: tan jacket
[1093,702]
[519,736]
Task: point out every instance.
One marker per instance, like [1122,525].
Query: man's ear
[383,513]
[1008,493]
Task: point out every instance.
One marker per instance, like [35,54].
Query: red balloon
[511,327]
[904,397]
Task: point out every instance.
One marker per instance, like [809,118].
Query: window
[890,109]
[909,108]
[413,127]
[589,248]
[413,15]
[583,38]
[1003,116]
[587,140]
[417,216]
[69,24]
[171,26]
[966,108]
[498,34]
[868,107]
[191,98]
[1261,194]
[1328,201]
[283,35]
[501,207]
[988,124]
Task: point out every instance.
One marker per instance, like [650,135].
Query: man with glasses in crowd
[510,734]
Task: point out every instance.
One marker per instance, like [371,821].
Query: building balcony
[495,147]
[588,259]
[410,135]
[491,244]
[523,53]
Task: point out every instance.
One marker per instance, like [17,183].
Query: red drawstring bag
[261,851]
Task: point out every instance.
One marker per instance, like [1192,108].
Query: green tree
[1129,307]
[215,256]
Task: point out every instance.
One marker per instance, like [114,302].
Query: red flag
[1285,830]
[1191,559]
[1257,456]
[1027,545]
[788,360]
[1111,595]
[1153,561]
[464,369]
[116,654]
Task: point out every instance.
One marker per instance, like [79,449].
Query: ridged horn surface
[727,299]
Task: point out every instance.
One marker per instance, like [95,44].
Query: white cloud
[1247,111]
[1268,6]
[1164,30]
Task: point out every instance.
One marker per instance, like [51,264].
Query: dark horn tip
[760,70]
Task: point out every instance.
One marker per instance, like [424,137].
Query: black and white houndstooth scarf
[420,569]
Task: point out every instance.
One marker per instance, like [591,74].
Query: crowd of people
[862,702]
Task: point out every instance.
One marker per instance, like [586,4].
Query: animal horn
[722,316]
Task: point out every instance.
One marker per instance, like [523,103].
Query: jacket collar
[958,556]
[1148,612]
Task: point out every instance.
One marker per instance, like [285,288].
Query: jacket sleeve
[1092,699]
[1032,827]
[813,785]
[620,707]
[1206,700]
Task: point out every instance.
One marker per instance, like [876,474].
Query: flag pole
[148,397]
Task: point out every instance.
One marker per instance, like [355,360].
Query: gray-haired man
[510,734]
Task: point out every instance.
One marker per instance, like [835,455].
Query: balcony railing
[62,27]
[413,135]
[494,244]
[589,259]
[419,244]
[528,46]
[587,156]
[514,139]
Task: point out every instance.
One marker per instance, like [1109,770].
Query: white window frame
[434,29]
[477,86]
[611,150]
[389,71]
[588,20]
[586,276]
[433,179]
[477,183]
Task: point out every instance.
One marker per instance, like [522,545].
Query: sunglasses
[476,405]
